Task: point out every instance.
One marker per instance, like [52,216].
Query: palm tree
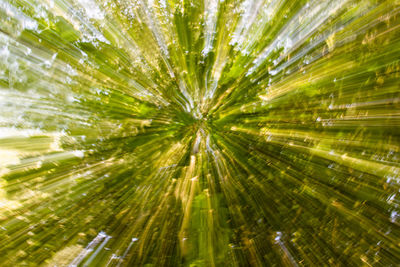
[199,133]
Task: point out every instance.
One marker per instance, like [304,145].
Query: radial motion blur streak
[199,133]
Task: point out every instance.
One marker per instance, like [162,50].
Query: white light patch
[91,9]
[78,153]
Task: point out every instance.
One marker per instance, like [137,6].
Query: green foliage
[199,133]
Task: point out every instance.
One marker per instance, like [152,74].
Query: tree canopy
[199,133]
